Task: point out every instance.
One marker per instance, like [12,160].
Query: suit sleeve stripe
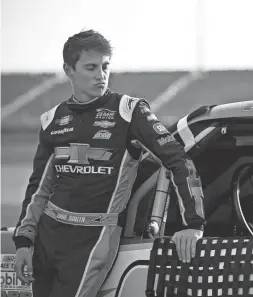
[47,117]
[180,200]
[127,106]
[185,133]
[28,210]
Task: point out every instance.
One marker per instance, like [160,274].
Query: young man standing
[84,169]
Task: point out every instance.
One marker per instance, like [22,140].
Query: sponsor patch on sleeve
[160,129]
[144,108]
[165,139]
[152,117]
[127,106]
[131,102]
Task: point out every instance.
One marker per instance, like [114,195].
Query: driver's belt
[80,219]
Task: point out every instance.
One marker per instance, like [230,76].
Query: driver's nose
[100,74]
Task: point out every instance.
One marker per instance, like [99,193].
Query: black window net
[222,267]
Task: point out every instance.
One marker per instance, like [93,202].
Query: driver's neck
[82,98]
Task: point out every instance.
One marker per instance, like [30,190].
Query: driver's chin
[97,92]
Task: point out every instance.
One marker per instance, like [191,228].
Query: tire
[243,196]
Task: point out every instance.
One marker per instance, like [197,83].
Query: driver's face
[91,74]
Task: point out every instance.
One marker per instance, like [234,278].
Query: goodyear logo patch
[62,131]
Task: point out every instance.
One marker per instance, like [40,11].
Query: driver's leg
[84,261]
[42,266]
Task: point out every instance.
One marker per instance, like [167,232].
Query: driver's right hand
[24,258]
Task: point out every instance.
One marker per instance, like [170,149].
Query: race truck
[219,139]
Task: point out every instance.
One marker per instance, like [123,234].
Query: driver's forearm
[187,185]
[26,230]
[156,139]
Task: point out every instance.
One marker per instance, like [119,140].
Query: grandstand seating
[216,87]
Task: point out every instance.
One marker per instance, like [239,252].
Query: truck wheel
[243,196]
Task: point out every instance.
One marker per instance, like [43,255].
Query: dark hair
[85,40]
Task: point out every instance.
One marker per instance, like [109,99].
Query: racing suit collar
[73,104]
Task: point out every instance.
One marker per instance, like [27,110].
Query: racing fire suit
[84,170]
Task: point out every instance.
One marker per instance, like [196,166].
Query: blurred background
[178,54]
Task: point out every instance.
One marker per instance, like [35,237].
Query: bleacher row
[216,87]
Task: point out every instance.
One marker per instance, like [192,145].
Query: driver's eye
[90,68]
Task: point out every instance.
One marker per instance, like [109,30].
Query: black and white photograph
[126,148]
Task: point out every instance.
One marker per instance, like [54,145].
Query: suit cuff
[197,227]
[193,226]
[22,241]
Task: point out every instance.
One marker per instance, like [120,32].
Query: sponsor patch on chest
[64,120]
[102,134]
[105,114]
[80,153]
[83,169]
[104,124]
[62,131]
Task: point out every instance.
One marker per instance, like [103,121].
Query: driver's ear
[68,70]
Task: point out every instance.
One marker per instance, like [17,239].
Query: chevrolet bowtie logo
[79,153]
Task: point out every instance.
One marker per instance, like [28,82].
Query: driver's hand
[186,241]
[24,257]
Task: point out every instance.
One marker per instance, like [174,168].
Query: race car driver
[84,169]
